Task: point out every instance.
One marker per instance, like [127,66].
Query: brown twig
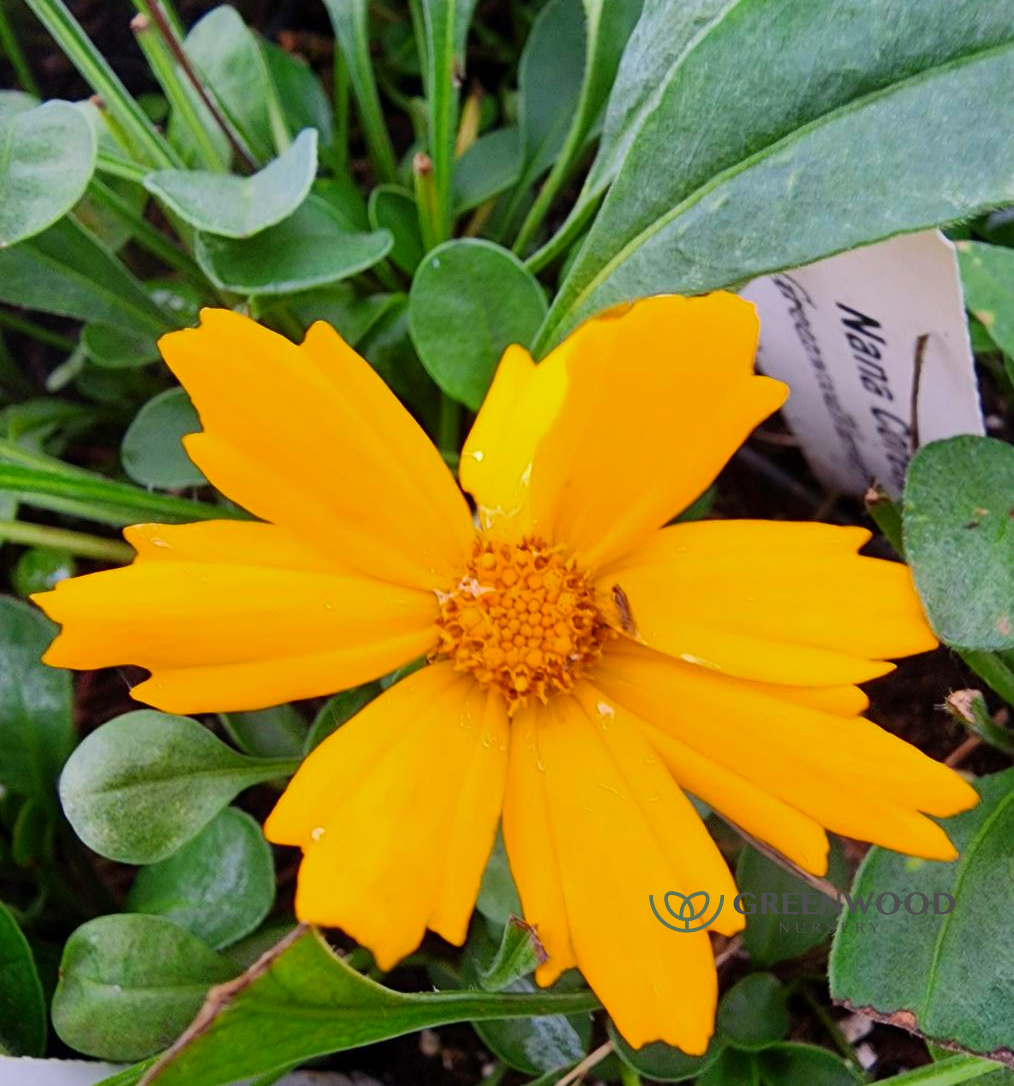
[918,362]
[962,751]
[157,16]
[823,885]
[575,1074]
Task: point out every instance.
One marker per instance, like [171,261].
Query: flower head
[586,665]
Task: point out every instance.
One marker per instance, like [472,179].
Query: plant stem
[153,10]
[160,59]
[564,237]
[11,48]
[80,543]
[371,116]
[340,77]
[148,236]
[145,140]
[426,201]
[36,331]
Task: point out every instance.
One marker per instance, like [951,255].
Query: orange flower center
[522,619]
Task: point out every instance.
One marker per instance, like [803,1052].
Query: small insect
[627,623]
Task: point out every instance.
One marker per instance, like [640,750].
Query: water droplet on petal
[316,833]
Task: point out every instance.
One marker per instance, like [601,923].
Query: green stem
[829,1024]
[949,1072]
[158,53]
[992,670]
[148,236]
[564,237]
[547,194]
[80,543]
[36,331]
[371,116]
[426,201]
[120,167]
[171,35]
[13,453]
[144,138]
[340,73]
[11,48]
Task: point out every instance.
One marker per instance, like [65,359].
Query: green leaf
[22,1006]
[219,886]
[337,710]
[300,94]
[393,208]
[517,956]
[804,1065]
[350,21]
[753,1013]
[152,451]
[764,939]
[987,275]
[469,301]
[145,783]
[47,155]
[116,349]
[306,1002]
[240,207]
[38,569]
[661,1062]
[279,732]
[310,248]
[130,984]
[948,976]
[550,77]
[36,729]
[102,499]
[959,539]
[732,1068]
[444,29]
[228,56]
[490,166]
[498,897]
[66,270]
[737,170]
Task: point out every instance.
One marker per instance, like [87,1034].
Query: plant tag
[844,334]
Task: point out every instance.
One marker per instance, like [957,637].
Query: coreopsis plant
[401,343]
[583,662]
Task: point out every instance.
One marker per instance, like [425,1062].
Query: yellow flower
[585,664]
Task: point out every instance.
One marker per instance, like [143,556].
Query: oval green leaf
[152,451]
[22,1006]
[945,969]
[47,156]
[36,729]
[392,208]
[959,539]
[310,248]
[145,783]
[240,207]
[753,1013]
[219,886]
[470,300]
[129,985]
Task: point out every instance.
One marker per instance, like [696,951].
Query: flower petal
[309,437]
[844,772]
[528,839]
[656,984]
[709,591]
[397,812]
[213,612]
[658,396]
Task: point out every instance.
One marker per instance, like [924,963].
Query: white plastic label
[843,335]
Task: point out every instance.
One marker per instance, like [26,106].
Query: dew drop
[316,833]
[477,455]
[606,710]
